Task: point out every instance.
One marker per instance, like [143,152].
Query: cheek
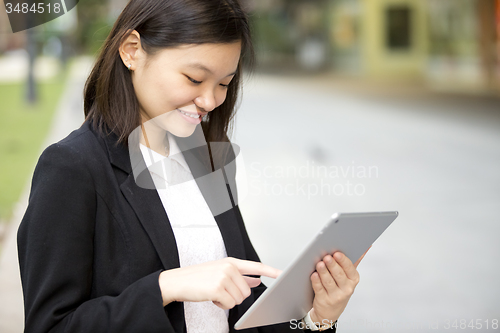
[150,90]
[178,98]
[221,96]
[173,93]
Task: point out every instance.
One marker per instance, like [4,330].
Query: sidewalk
[69,116]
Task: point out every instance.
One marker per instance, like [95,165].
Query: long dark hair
[109,98]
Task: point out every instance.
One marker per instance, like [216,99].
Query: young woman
[104,247]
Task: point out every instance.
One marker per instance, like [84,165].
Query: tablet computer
[291,295]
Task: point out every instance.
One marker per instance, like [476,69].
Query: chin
[183,132]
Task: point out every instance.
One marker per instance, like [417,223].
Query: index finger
[255,268]
[346,264]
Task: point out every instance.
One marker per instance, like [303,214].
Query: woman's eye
[198,82]
[193,80]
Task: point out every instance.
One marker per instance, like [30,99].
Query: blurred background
[355,105]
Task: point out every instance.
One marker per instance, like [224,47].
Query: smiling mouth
[191,115]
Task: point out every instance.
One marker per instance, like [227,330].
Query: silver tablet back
[291,295]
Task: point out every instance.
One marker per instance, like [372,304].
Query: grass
[23,128]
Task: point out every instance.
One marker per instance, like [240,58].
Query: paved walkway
[437,161]
[69,116]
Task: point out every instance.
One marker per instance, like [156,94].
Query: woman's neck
[154,138]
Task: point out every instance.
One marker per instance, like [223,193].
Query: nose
[207,101]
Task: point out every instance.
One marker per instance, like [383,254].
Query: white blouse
[196,232]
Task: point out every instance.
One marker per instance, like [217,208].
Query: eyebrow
[206,69]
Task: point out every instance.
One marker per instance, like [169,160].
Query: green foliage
[100,31]
[22,131]
[93,26]
[270,32]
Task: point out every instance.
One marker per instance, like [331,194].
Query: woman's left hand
[333,282]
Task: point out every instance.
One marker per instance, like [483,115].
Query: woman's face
[178,86]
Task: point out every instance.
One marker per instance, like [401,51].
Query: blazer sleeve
[55,246]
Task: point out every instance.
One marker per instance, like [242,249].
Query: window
[398,28]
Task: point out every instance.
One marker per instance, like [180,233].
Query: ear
[130,49]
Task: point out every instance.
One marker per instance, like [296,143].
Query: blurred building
[450,44]
[464,44]
[378,38]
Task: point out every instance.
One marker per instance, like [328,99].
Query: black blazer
[92,244]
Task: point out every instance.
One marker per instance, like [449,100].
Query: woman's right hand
[221,281]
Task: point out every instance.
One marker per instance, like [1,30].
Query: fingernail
[328,259]
[338,255]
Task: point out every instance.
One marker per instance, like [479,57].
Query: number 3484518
[461,324]
[36,8]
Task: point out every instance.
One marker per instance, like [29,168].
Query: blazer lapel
[145,202]
[149,209]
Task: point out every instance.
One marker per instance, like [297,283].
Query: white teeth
[189,114]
